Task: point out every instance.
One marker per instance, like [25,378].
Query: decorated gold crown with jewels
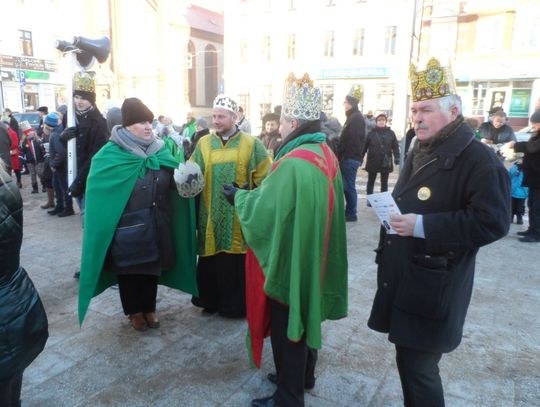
[435,82]
[301,100]
[84,82]
[356,92]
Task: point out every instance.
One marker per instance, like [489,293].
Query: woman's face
[381,122]
[142,130]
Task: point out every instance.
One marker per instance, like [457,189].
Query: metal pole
[71,145]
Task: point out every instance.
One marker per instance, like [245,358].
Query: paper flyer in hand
[384,205]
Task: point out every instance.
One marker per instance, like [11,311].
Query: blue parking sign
[22,77]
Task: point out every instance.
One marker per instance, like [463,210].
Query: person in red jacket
[14,155]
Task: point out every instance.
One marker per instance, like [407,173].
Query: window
[358,42]
[243,51]
[266,101]
[291,46]
[390,40]
[329,44]
[479,94]
[466,34]
[266,48]
[243,100]
[210,74]
[328,98]
[385,98]
[25,41]
[489,34]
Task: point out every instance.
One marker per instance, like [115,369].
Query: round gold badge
[424,193]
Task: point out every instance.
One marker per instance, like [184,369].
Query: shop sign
[520,102]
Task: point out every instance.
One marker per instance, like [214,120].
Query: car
[524,134]
[32,117]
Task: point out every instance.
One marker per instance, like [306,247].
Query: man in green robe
[294,225]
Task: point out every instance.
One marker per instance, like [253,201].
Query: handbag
[134,241]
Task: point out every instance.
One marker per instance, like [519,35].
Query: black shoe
[77,275]
[519,220]
[530,239]
[368,205]
[19,185]
[272,378]
[524,232]
[34,191]
[56,211]
[264,402]
[66,212]
[43,189]
[351,219]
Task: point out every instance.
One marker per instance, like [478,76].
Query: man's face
[223,120]
[81,104]
[498,122]
[270,126]
[347,105]
[428,118]
[286,127]
[535,127]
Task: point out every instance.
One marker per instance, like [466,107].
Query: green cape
[112,176]
[284,222]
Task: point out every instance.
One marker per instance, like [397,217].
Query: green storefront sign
[519,105]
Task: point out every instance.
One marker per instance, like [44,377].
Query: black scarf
[423,150]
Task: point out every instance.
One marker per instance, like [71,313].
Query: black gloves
[69,133]
[230,191]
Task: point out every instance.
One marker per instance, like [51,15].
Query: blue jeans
[349,168]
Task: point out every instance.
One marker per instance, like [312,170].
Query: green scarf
[305,138]
[112,176]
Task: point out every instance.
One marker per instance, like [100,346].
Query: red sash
[258,308]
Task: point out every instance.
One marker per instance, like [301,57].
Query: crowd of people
[255,226]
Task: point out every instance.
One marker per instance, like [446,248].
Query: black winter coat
[153,191]
[57,150]
[93,133]
[531,161]
[23,322]
[503,134]
[353,136]
[39,151]
[381,142]
[424,286]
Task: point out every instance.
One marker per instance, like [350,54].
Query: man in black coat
[531,179]
[454,195]
[13,123]
[351,146]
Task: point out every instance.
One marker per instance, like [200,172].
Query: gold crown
[356,92]
[84,82]
[435,82]
[301,100]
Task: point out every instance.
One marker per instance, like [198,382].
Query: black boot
[519,220]
[35,189]
[56,210]
[66,212]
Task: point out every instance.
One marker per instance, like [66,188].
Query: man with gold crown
[225,156]
[454,195]
[91,132]
[294,226]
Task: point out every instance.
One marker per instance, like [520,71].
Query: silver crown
[301,100]
[226,102]
[189,179]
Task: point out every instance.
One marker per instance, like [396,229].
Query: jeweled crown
[301,100]
[435,82]
[225,102]
[84,82]
[356,92]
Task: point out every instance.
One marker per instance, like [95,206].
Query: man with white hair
[454,195]
[225,156]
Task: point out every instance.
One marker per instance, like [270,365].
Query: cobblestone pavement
[199,360]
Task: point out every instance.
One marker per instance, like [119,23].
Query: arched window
[210,74]
[192,74]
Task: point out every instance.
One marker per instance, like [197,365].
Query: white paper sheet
[384,205]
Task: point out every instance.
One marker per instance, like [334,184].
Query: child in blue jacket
[519,192]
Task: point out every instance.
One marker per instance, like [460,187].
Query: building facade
[495,49]
[340,43]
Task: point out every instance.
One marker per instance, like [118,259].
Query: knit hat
[114,117]
[43,109]
[84,85]
[381,115]
[535,118]
[202,123]
[25,127]
[135,111]
[51,119]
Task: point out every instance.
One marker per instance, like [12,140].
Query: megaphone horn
[99,48]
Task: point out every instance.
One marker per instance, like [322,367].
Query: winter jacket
[424,286]
[381,142]
[92,135]
[57,150]
[33,150]
[353,136]
[516,176]
[5,147]
[502,135]
[531,161]
[14,152]
[23,322]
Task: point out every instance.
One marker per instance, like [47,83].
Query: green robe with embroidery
[285,222]
[112,176]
